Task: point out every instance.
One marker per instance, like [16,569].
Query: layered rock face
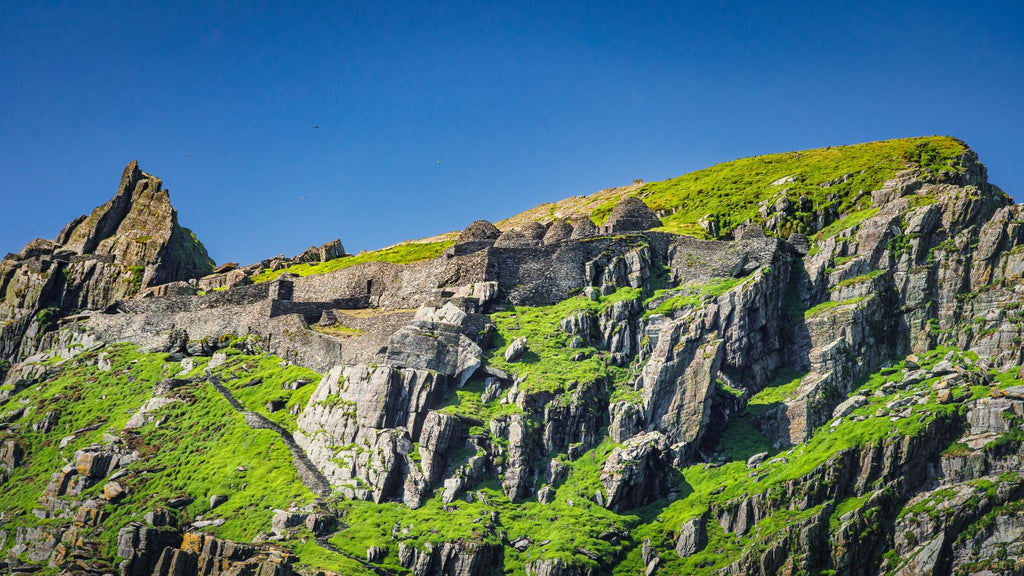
[130,243]
[559,398]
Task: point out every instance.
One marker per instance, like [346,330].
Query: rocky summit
[799,363]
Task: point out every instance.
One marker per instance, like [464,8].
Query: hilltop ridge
[806,362]
[789,192]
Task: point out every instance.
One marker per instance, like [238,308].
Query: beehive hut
[583,227]
[630,215]
[514,238]
[559,231]
[534,231]
[478,235]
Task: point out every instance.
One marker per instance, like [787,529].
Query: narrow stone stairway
[308,473]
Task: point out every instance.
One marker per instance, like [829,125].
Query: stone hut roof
[559,231]
[477,235]
[477,231]
[631,215]
[513,238]
[583,227]
[535,231]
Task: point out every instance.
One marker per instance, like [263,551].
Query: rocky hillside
[130,243]
[803,363]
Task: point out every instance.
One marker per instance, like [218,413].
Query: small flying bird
[438,162]
[188,155]
[316,126]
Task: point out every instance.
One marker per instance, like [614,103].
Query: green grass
[719,484]
[863,278]
[667,300]
[399,254]
[83,396]
[256,380]
[339,330]
[732,190]
[196,450]
[572,521]
[201,444]
[845,507]
[829,305]
[548,363]
[847,221]
[197,453]
[468,403]
[782,388]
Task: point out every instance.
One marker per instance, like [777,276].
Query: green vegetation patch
[197,447]
[549,362]
[781,389]
[205,448]
[829,177]
[668,300]
[338,330]
[707,485]
[256,381]
[572,526]
[82,396]
[863,278]
[398,254]
[829,305]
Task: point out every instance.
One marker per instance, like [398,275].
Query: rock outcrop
[130,243]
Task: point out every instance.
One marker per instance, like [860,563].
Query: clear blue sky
[522,104]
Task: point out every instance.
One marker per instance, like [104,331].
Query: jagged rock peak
[131,242]
[83,234]
[139,227]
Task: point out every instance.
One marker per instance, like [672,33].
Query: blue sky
[521,103]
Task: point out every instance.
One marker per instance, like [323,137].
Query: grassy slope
[573,523]
[733,190]
[199,448]
[211,441]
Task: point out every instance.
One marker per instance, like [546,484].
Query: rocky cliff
[797,363]
[130,243]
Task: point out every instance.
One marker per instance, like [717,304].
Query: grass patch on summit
[835,177]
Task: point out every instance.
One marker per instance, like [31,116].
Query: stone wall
[394,286]
[238,296]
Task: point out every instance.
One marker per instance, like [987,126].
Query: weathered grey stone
[634,473]
[849,405]
[583,227]
[516,349]
[559,231]
[692,536]
[284,520]
[630,215]
[478,235]
[756,459]
[433,346]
